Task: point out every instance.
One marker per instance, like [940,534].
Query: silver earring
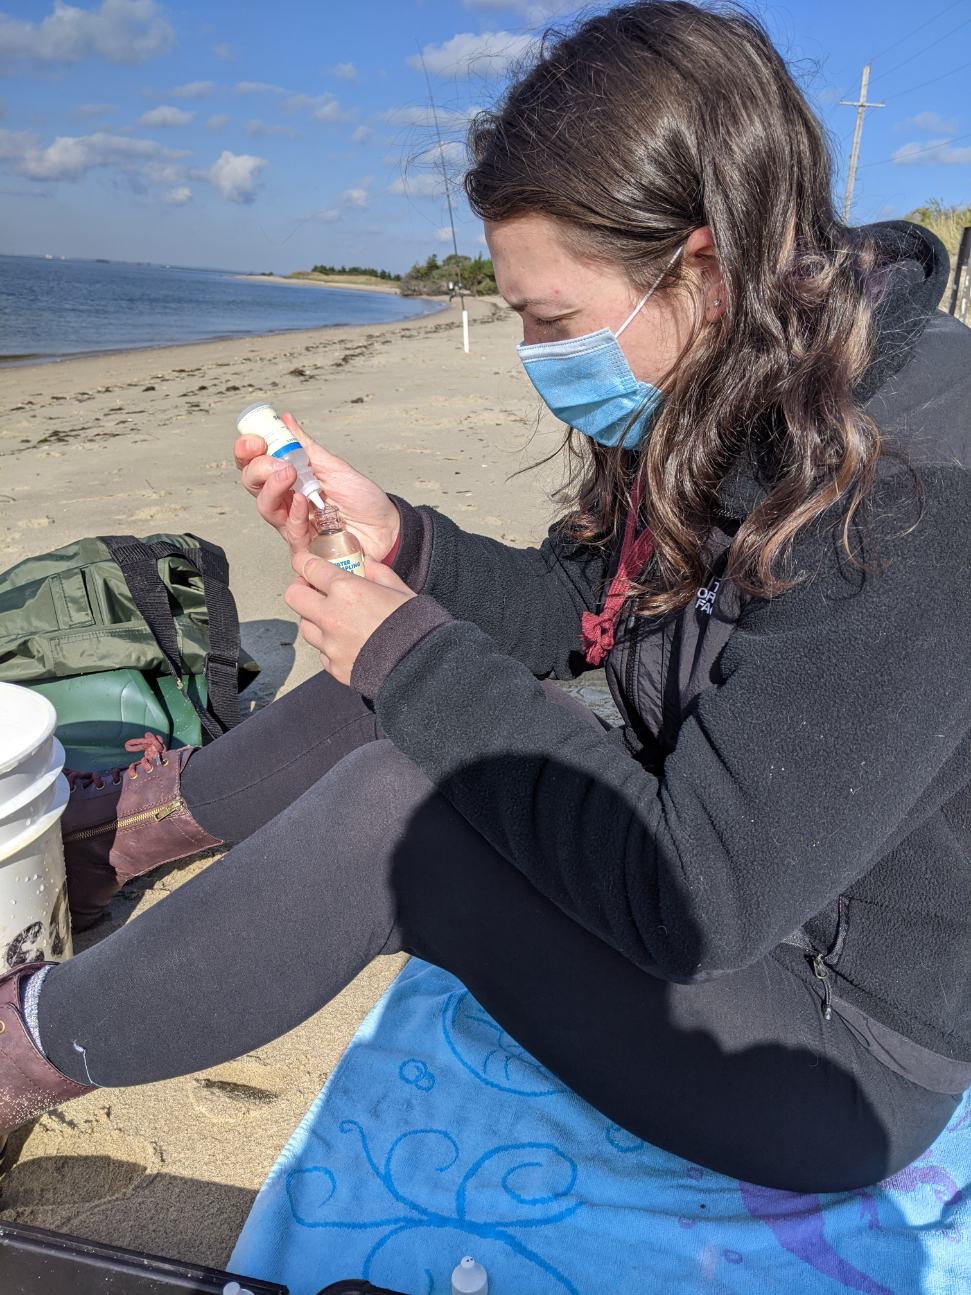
[717,302]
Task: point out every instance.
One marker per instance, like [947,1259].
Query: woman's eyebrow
[536,301]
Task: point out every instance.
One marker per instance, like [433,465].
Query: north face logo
[705,600]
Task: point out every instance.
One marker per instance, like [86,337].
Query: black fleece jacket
[803,794]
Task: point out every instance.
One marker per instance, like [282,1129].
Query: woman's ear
[701,257]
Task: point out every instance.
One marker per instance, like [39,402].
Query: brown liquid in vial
[334,543]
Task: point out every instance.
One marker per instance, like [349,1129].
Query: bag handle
[138,563]
[222,659]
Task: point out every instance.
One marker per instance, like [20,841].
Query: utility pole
[861,106]
[448,199]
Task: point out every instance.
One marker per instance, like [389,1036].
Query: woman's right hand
[365,507]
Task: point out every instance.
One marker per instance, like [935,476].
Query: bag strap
[138,563]
[222,659]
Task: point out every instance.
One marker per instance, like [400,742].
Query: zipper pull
[821,972]
[164,811]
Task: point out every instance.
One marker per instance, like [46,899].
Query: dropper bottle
[332,541]
[262,420]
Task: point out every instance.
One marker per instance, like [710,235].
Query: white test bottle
[261,419]
[470,1278]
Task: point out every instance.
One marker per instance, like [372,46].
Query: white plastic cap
[470,1278]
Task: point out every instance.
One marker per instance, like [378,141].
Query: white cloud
[258,87]
[224,51]
[72,157]
[487,53]
[120,31]
[361,134]
[418,186]
[344,71]
[533,11]
[450,151]
[326,213]
[444,234]
[218,120]
[88,110]
[235,175]
[358,196]
[164,115]
[940,151]
[261,129]
[933,122]
[193,90]
[416,115]
[178,197]
[322,107]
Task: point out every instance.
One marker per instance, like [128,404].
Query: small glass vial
[333,542]
[470,1278]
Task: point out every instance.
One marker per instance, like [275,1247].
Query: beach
[142,442]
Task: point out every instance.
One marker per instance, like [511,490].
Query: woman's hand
[366,509]
[338,611]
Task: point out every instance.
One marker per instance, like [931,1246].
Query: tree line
[471,274]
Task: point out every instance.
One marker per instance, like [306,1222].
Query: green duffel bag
[125,635]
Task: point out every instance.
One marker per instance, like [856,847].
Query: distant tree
[359,270]
[946,222]
[474,275]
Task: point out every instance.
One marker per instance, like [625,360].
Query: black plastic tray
[34,1261]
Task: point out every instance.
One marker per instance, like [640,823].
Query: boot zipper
[821,972]
[129,820]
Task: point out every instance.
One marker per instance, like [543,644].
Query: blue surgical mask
[587,382]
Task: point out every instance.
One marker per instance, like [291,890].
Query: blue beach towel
[437,1136]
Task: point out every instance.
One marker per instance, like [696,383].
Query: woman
[739,925]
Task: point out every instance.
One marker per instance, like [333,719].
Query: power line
[910,57]
[933,81]
[913,32]
[930,148]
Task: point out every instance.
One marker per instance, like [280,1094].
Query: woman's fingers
[273,498]
[305,600]
[311,634]
[247,448]
[296,530]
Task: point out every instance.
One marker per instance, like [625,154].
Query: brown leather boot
[122,823]
[29,1084]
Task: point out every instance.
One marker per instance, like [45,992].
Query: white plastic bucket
[34,920]
[27,722]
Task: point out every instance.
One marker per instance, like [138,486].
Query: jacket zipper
[129,820]
[821,972]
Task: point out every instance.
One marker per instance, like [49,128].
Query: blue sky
[258,135]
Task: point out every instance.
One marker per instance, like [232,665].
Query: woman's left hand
[338,611]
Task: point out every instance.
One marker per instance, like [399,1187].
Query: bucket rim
[42,825]
[16,695]
[43,780]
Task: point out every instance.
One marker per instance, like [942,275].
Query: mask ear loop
[650,292]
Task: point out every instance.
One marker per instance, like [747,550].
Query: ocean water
[53,308]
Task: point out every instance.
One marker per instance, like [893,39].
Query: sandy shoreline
[42,361]
[390,291]
[141,441]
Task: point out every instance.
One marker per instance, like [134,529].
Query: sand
[142,441]
[309,280]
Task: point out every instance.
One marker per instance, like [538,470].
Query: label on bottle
[352,562]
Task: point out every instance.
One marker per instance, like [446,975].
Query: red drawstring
[597,631]
[152,748]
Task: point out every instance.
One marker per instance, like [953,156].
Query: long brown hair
[631,130]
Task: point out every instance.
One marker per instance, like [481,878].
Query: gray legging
[344,850]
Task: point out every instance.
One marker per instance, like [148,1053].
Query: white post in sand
[465,331]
